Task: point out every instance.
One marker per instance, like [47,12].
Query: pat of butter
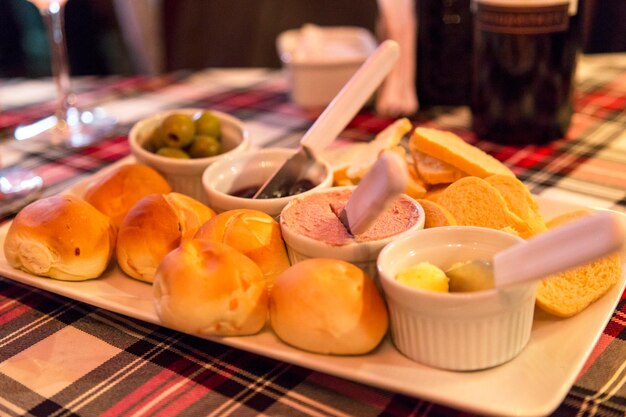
[425,276]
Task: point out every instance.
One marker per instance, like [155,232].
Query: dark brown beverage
[299,187]
[523,71]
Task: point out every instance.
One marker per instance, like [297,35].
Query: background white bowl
[361,254]
[456,331]
[316,79]
[253,168]
[185,175]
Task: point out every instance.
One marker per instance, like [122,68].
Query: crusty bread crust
[416,186]
[433,170]
[328,306]
[210,289]
[253,233]
[115,193]
[61,237]
[156,225]
[450,148]
[568,293]
[520,201]
[436,214]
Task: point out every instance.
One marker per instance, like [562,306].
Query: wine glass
[18,187]
[69,126]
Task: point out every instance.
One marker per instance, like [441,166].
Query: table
[62,357]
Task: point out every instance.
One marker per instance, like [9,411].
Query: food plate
[532,384]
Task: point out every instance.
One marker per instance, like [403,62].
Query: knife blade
[379,186]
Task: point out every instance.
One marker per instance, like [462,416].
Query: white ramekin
[316,73]
[253,168]
[185,175]
[455,331]
[361,254]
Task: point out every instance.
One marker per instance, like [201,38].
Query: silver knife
[386,179]
[333,119]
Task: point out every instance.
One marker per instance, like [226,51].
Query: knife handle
[566,246]
[352,97]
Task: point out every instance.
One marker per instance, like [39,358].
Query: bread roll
[61,237]
[155,226]
[253,233]
[569,292]
[120,189]
[328,306]
[210,289]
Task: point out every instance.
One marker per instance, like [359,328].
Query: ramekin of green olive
[182,143]
[184,136]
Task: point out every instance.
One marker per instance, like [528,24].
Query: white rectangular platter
[532,384]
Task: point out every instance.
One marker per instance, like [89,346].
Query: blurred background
[151,36]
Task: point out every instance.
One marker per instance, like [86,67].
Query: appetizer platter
[532,384]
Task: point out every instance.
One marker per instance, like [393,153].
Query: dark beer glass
[523,70]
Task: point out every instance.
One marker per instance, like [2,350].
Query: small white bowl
[319,61]
[185,175]
[455,331]
[361,254]
[253,168]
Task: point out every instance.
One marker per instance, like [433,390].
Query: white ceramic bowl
[455,331]
[361,254]
[185,175]
[253,168]
[317,72]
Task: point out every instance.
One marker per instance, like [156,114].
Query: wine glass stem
[53,20]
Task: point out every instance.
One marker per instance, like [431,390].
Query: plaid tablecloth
[60,357]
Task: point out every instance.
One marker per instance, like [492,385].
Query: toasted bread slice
[388,138]
[415,187]
[450,148]
[436,215]
[474,202]
[519,200]
[568,293]
[434,191]
[433,170]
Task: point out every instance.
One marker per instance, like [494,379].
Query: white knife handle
[352,97]
[563,247]
[385,180]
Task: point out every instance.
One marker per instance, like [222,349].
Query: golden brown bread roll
[120,189]
[155,226]
[253,233]
[208,288]
[328,306]
[61,237]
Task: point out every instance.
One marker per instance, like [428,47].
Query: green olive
[204,146]
[155,142]
[178,130]
[208,124]
[173,153]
